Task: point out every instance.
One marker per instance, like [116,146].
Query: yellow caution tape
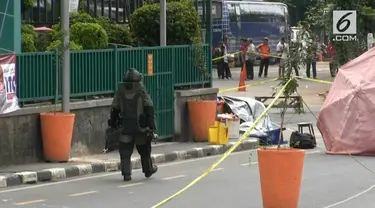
[228,152]
[249,85]
[315,80]
[221,57]
[256,53]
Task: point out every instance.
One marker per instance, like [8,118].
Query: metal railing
[96,73]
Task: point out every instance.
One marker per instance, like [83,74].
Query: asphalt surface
[327,180]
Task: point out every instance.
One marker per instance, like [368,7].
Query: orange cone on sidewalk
[243,75]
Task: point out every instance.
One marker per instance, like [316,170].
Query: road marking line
[247,164]
[130,185]
[102,175]
[30,202]
[173,177]
[217,169]
[352,197]
[313,152]
[84,193]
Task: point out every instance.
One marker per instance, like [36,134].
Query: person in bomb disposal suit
[133,107]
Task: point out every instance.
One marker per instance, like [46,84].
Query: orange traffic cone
[242,85]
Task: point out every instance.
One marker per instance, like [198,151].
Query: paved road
[235,183]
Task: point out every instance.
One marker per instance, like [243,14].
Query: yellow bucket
[218,133]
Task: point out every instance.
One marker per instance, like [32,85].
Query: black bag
[302,141]
[112,136]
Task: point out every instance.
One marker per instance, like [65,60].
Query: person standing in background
[243,51]
[311,56]
[282,49]
[331,53]
[224,52]
[218,62]
[264,50]
[295,52]
[250,58]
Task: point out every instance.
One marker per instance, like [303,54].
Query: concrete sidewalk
[162,153]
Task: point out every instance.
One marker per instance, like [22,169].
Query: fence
[96,73]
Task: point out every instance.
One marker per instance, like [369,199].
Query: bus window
[262,13]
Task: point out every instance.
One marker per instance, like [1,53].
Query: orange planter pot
[202,115]
[57,133]
[280,173]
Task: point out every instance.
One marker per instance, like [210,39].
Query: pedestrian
[250,58]
[331,53]
[282,49]
[133,106]
[224,52]
[264,50]
[311,56]
[295,52]
[243,51]
[218,61]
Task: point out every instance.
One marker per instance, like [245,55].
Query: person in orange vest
[264,50]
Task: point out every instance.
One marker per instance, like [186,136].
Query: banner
[8,85]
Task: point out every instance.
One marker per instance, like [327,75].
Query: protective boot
[126,169]
[127,177]
[147,167]
[153,171]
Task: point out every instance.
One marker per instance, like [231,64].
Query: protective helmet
[132,75]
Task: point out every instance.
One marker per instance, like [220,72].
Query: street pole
[209,22]
[65,57]
[163,23]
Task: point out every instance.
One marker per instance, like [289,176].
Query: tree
[347,51]
[297,9]
[182,24]
[27,4]
[319,18]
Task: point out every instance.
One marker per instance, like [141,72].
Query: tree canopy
[317,14]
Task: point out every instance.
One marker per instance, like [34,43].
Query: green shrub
[89,35]
[58,45]
[28,42]
[42,41]
[75,17]
[117,34]
[28,38]
[182,24]
[29,29]
[81,17]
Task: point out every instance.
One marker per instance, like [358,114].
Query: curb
[55,174]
